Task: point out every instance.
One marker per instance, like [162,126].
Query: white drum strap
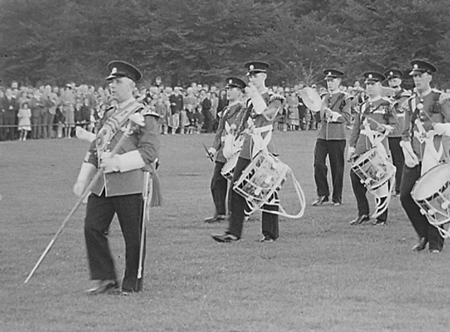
[282,211]
[383,196]
[431,156]
[259,142]
[375,139]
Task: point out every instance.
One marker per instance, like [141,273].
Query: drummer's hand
[211,152]
[383,128]
[350,153]
[251,90]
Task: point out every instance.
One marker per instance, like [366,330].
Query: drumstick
[207,153]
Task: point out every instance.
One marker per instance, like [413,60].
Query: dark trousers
[219,188]
[10,130]
[238,206]
[335,150]
[398,159]
[100,211]
[420,223]
[359,190]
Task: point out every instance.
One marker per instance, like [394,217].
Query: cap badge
[230,81]
[251,67]
[329,73]
[416,66]
[370,76]
[114,70]
[391,73]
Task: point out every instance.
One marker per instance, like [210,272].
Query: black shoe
[217,218]
[419,246]
[337,203]
[225,238]
[434,251]
[267,239]
[320,200]
[104,286]
[360,219]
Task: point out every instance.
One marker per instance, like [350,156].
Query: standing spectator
[49,101]
[37,111]
[68,109]
[85,110]
[10,108]
[2,116]
[24,116]
[223,102]
[292,115]
[176,106]
[214,108]
[206,111]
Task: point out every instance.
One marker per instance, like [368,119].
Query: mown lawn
[321,275]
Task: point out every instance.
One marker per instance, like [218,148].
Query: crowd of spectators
[46,111]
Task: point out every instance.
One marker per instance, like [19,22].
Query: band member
[394,79]
[423,147]
[262,109]
[230,119]
[120,188]
[331,141]
[375,117]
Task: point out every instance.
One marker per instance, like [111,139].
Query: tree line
[59,41]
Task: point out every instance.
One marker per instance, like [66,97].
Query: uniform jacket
[10,106]
[144,139]
[399,100]
[377,112]
[335,130]
[428,110]
[274,105]
[231,115]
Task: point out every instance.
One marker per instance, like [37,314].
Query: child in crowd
[24,116]
[198,118]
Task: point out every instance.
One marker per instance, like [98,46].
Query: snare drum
[373,169]
[261,179]
[432,194]
[228,168]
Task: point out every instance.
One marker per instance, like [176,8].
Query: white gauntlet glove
[411,159]
[350,153]
[87,171]
[442,128]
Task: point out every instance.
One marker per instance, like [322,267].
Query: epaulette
[275,96]
[148,111]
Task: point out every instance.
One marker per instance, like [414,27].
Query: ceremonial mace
[135,121]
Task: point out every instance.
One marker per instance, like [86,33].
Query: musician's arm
[356,129]
[444,128]
[345,114]
[407,126]
[218,136]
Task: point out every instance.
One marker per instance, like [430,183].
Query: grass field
[321,275]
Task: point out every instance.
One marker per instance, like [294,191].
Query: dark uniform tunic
[377,112]
[395,136]
[238,203]
[331,141]
[219,185]
[428,110]
[119,193]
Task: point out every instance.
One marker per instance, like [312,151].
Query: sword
[207,153]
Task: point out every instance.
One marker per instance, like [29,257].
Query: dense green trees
[57,41]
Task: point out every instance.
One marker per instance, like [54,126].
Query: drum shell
[431,193]
[261,179]
[372,169]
